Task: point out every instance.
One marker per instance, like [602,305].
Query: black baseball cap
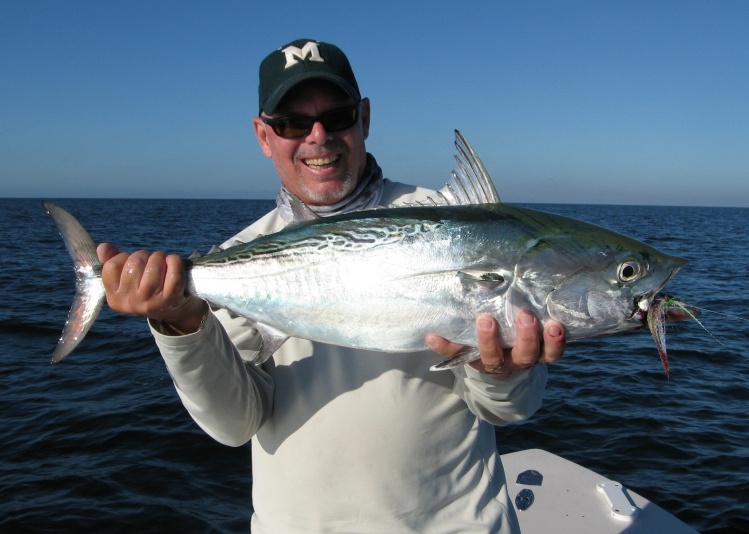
[301,60]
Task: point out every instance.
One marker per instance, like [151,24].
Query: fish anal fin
[272,341]
[465,355]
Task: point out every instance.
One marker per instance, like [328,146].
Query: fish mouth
[642,305]
[643,302]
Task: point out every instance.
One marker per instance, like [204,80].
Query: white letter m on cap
[292,53]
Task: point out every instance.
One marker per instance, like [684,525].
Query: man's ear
[262,136]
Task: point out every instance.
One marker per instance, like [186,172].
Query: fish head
[602,282]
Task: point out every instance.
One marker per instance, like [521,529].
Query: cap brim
[271,103]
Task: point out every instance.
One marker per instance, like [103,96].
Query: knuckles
[134,283]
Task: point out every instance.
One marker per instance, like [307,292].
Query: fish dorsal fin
[470,182]
[197,254]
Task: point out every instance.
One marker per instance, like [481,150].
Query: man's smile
[321,162]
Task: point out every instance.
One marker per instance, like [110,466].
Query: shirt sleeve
[228,397]
[500,400]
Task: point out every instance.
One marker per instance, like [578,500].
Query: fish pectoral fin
[272,341]
[473,279]
[465,355]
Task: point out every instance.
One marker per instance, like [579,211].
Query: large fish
[382,279]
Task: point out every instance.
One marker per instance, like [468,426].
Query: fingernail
[485,323]
[527,319]
[555,331]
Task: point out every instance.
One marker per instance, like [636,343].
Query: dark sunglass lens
[333,121]
[341,119]
[292,127]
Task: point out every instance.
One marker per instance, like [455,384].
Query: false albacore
[382,279]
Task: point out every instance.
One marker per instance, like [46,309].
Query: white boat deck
[574,500]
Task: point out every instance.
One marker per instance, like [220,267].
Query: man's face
[322,167]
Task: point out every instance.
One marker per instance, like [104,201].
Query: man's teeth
[320,162]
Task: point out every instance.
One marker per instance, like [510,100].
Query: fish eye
[629,270]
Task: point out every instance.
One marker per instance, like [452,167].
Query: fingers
[174,279]
[489,345]
[504,362]
[531,345]
[490,348]
[442,346]
[122,275]
[106,251]
[152,269]
[112,269]
[554,342]
[141,283]
[527,349]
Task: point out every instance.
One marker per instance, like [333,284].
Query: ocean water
[101,443]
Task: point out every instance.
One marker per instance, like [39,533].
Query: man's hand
[151,285]
[531,347]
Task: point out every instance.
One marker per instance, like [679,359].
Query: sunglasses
[295,126]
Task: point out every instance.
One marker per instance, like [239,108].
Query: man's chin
[328,193]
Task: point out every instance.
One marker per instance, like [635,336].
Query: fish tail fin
[89,287]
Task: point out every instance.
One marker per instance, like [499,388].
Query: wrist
[189,324]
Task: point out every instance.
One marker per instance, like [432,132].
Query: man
[343,440]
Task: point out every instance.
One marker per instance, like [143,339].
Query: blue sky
[635,102]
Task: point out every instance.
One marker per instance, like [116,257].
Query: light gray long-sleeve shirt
[355,441]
